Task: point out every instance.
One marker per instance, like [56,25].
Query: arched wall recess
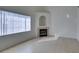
[42,21]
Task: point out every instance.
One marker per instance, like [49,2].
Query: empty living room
[39,29]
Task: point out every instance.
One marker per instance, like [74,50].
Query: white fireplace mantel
[37,19]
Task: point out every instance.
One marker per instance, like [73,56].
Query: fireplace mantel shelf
[43,27]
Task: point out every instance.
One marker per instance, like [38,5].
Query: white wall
[77,23]
[15,38]
[60,24]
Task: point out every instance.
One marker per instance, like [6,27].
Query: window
[13,23]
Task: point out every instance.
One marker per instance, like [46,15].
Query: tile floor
[46,45]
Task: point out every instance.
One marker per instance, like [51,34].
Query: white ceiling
[23,9]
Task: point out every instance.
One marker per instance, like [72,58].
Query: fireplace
[43,32]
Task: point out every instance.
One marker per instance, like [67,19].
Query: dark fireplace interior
[42,32]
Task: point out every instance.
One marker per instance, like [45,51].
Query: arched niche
[42,21]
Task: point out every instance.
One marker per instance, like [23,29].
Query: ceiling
[23,9]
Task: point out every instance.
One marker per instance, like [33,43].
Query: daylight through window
[13,23]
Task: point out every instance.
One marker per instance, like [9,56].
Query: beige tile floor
[46,45]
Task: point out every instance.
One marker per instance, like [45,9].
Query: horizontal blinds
[11,23]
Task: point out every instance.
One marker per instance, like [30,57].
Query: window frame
[15,32]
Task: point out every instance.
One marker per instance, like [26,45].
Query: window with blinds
[11,23]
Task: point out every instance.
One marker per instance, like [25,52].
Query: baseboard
[67,37]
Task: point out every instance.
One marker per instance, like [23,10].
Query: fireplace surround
[42,24]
